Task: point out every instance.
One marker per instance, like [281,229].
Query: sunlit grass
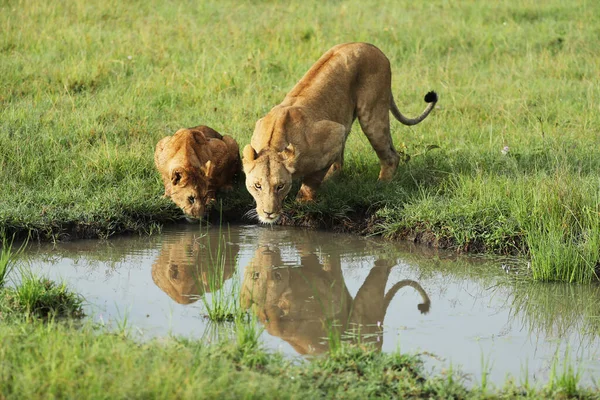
[88,88]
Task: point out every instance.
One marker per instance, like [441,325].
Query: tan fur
[304,136]
[194,163]
[296,303]
[189,266]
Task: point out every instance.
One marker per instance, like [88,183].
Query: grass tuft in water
[7,258]
[247,335]
[563,383]
[222,303]
[485,372]
[39,297]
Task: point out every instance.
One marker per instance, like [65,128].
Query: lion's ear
[288,155]
[257,124]
[178,176]
[207,168]
[249,155]
[198,136]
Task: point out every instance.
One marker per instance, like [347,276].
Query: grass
[222,303]
[38,297]
[33,296]
[508,163]
[59,361]
[567,379]
[7,259]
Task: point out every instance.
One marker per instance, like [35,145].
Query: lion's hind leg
[375,123]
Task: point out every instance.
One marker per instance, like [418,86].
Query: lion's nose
[268,214]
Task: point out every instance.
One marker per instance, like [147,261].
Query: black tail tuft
[431,97]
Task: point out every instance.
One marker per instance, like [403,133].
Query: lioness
[194,163]
[304,136]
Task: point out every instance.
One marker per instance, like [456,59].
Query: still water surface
[464,312]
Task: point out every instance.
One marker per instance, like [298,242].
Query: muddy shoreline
[359,223]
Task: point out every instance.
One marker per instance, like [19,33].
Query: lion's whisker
[250,214]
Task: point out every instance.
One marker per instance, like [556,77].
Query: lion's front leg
[336,167]
[310,184]
[331,137]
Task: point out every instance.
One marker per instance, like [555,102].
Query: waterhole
[471,314]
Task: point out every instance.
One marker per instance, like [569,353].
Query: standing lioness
[304,136]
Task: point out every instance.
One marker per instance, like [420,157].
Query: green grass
[88,88]
[39,298]
[7,259]
[56,360]
[566,379]
[222,303]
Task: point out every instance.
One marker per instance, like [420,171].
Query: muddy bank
[361,223]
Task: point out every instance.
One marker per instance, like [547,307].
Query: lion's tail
[423,307]
[430,98]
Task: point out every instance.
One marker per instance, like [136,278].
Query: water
[463,312]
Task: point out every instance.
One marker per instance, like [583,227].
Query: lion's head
[266,280]
[188,265]
[190,189]
[269,180]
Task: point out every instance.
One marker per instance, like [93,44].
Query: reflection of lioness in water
[194,163]
[297,303]
[305,135]
[194,264]
[294,303]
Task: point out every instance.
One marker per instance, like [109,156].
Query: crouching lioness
[194,163]
[304,136]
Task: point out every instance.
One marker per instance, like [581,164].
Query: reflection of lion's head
[298,302]
[265,281]
[192,265]
[294,302]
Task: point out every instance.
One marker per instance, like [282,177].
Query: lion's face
[265,280]
[191,193]
[269,180]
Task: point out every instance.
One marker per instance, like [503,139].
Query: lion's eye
[257,186]
[191,199]
[280,186]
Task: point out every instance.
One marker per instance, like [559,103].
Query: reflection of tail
[423,307]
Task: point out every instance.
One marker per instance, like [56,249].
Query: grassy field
[88,88]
